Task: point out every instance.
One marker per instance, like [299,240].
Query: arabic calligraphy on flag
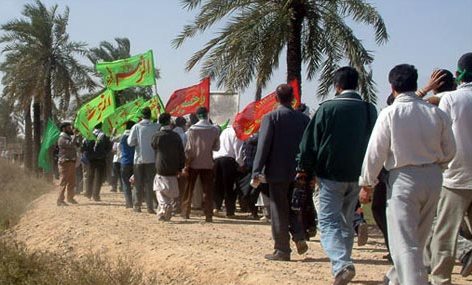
[137,70]
[94,112]
[187,100]
[248,121]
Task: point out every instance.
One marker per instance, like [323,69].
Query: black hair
[64,125]
[403,78]
[464,65]
[129,125]
[146,112]
[390,99]
[193,119]
[284,93]
[202,112]
[180,122]
[449,83]
[346,78]
[164,119]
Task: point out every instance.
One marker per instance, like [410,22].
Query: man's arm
[133,137]
[264,145]
[216,143]
[448,143]
[309,144]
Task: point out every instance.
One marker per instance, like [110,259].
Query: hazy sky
[427,33]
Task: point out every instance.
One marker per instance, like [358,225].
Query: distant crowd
[412,161]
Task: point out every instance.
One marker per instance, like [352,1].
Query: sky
[426,33]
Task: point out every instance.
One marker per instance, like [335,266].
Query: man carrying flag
[67,144]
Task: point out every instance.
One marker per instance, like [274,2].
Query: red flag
[248,121]
[187,100]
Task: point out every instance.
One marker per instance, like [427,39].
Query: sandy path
[185,252]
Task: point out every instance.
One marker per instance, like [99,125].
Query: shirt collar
[166,128]
[407,97]
[465,85]
[349,94]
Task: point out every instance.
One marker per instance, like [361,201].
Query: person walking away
[116,173]
[67,156]
[127,163]
[456,196]
[97,152]
[413,140]
[331,152]
[170,160]
[228,159]
[280,133]
[140,137]
[202,140]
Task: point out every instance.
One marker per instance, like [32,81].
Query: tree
[106,51]
[39,48]
[314,34]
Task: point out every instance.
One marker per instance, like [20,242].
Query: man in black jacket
[170,160]
[280,134]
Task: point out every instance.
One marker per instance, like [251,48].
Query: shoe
[362,234]
[466,264]
[72,201]
[151,211]
[208,219]
[129,206]
[277,256]
[184,216]
[62,203]
[113,190]
[302,247]
[265,219]
[168,213]
[137,209]
[345,276]
[97,199]
[161,218]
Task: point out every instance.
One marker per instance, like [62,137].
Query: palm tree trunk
[28,138]
[294,43]
[47,114]
[258,93]
[36,133]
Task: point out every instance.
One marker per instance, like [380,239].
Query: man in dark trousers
[332,150]
[280,134]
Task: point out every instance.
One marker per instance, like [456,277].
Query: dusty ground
[185,252]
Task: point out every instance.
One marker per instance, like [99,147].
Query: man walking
[413,140]
[456,196]
[331,151]
[228,159]
[140,137]
[127,162]
[67,144]
[279,136]
[202,140]
[170,160]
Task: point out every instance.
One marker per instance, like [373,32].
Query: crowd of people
[413,161]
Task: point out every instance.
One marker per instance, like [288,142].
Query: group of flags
[139,70]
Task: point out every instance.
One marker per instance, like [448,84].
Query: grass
[19,266]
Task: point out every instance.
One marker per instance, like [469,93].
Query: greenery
[314,33]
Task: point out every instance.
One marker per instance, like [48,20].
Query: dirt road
[185,252]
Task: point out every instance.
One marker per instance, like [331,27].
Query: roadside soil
[227,251]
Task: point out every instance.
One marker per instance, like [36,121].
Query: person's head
[66,127]
[345,78]
[464,68]
[180,122]
[202,113]
[98,126]
[284,94]
[129,125]
[403,78]
[448,82]
[146,113]
[193,119]
[164,119]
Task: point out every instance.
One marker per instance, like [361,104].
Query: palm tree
[40,44]
[106,51]
[314,34]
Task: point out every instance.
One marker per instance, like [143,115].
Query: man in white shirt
[412,139]
[456,195]
[227,161]
[144,158]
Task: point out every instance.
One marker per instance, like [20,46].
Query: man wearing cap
[67,144]
[144,158]
[202,140]
[456,195]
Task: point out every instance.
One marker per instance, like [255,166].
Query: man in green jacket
[332,151]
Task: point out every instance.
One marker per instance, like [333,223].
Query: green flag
[224,126]
[94,112]
[120,116]
[50,137]
[137,70]
[156,106]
